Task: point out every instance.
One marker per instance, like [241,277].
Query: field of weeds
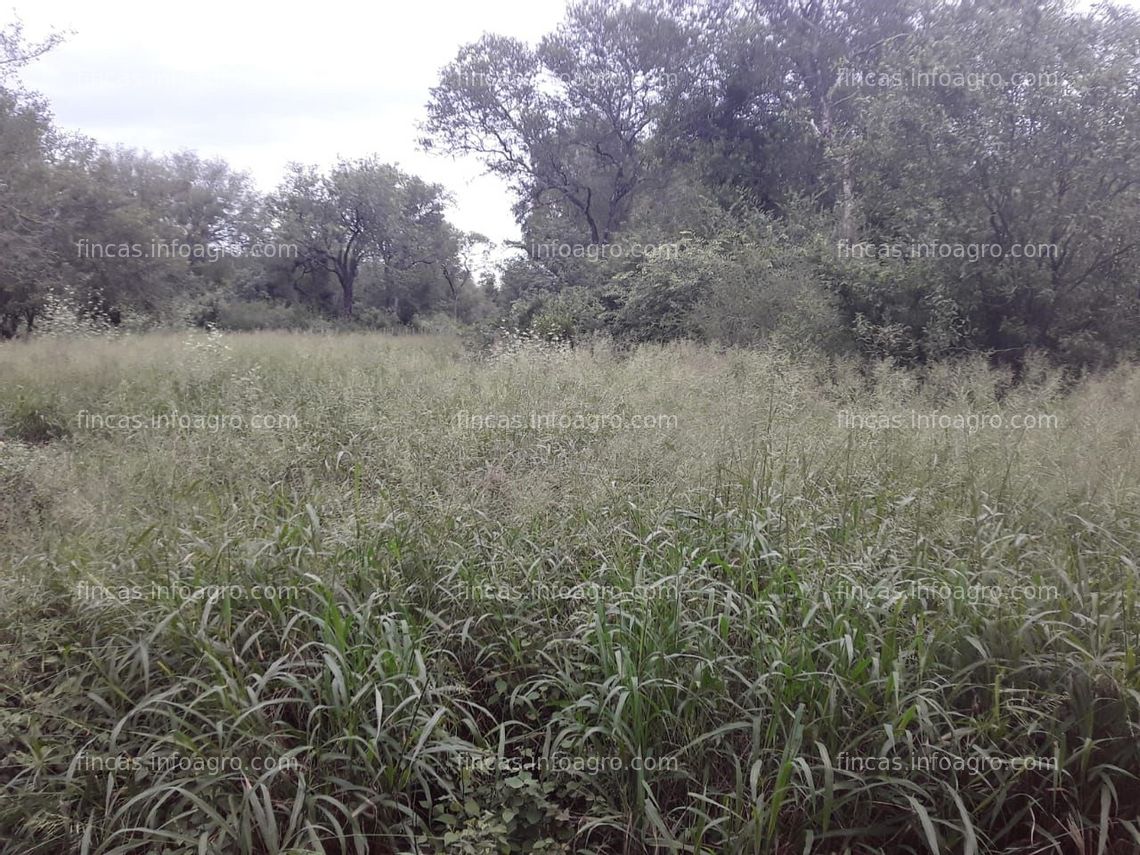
[276,593]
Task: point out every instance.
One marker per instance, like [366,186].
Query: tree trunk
[347,296]
[847,209]
[847,180]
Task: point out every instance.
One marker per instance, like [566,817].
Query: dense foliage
[1001,136]
[906,178]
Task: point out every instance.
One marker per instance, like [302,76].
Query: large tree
[26,260]
[362,213]
[567,122]
[26,140]
[1039,148]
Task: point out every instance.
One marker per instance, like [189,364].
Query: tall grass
[694,637]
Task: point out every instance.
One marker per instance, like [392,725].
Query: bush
[239,317]
[34,421]
[739,287]
[67,315]
[437,323]
[567,315]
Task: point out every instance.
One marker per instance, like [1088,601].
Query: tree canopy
[911,179]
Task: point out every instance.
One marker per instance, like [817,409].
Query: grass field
[441,602]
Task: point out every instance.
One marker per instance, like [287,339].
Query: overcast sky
[261,84]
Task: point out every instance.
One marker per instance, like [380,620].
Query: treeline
[115,235]
[910,179]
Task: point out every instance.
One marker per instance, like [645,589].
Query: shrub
[65,315]
[32,420]
[239,316]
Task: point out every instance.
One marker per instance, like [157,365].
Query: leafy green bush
[567,315]
[742,286]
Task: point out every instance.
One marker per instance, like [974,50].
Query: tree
[567,122]
[1038,153]
[361,213]
[460,272]
[27,262]
[16,51]
[26,140]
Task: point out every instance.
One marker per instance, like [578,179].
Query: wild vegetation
[779,495]
[907,179]
[694,630]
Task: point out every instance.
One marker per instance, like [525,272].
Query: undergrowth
[484,636]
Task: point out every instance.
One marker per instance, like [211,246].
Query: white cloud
[262,83]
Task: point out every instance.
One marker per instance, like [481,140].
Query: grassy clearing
[696,637]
